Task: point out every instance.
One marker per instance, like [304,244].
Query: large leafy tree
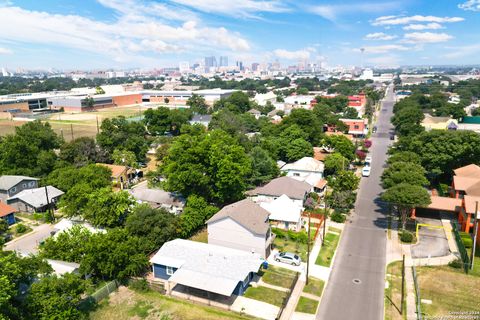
[197,104]
[237,102]
[118,133]
[68,245]
[344,181]
[125,158]
[106,208]
[195,214]
[407,121]
[154,226]
[404,172]
[342,145]
[56,297]
[264,168]
[30,150]
[81,151]
[307,122]
[212,165]
[335,163]
[298,149]
[404,156]
[405,197]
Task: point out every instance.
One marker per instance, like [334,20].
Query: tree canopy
[404,172]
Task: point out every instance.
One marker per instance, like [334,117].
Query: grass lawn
[326,253]
[267,295]
[128,304]
[307,305]
[476,263]
[394,291]
[277,276]
[451,290]
[200,236]
[315,286]
[286,245]
[333,229]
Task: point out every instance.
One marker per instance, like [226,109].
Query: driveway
[357,281]
[28,244]
[431,242]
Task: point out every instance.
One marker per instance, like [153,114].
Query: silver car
[288,257]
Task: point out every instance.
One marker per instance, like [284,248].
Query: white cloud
[243,8]
[332,12]
[384,48]
[293,55]
[470,5]
[397,20]
[379,36]
[5,51]
[428,26]
[426,37]
[128,37]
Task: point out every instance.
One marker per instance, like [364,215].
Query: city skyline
[148,34]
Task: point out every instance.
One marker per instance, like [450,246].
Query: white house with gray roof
[11,185]
[292,188]
[35,200]
[207,267]
[242,225]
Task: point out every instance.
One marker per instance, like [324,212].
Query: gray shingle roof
[293,188]
[247,213]
[7,182]
[158,196]
[37,197]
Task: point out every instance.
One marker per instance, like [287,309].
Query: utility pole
[403,285]
[48,204]
[308,246]
[71,129]
[475,230]
[98,129]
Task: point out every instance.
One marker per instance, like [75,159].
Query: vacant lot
[127,304]
[450,290]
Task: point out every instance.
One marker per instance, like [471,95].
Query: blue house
[7,213]
[206,267]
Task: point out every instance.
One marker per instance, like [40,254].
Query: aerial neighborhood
[280,189]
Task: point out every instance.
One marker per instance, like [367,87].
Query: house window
[24,185]
[13,190]
[31,184]
[170,270]
[356,127]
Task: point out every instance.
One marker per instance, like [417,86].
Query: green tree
[307,122]
[81,151]
[56,298]
[342,145]
[344,181]
[211,165]
[404,172]
[68,245]
[298,149]
[124,158]
[264,168]
[195,214]
[335,163]
[350,113]
[404,156]
[197,104]
[405,197]
[153,226]
[107,208]
[407,121]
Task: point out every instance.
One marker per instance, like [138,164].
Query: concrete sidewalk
[292,302]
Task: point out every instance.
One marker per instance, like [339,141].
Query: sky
[95,34]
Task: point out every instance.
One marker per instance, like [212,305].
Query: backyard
[129,304]
[328,250]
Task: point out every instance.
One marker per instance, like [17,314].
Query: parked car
[392,136]
[288,257]
[374,129]
[366,171]
[368,161]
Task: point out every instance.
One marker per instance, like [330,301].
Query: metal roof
[7,182]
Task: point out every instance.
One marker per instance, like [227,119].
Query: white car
[366,171]
[288,257]
[368,161]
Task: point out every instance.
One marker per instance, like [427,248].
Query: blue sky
[91,34]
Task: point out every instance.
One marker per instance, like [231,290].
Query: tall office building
[184,66]
[223,61]
[255,66]
[210,62]
[240,65]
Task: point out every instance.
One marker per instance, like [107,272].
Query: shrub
[367,143]
[338,217]
[301,236]
[406,236]
[21,228]
[457,263]
[466,239]
[139,285]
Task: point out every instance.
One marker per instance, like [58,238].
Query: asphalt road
[28,244]
[356,286]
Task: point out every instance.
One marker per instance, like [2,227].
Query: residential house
[210,268]
[439,123]
[304,168]
[203,119]
[11,185]
[294,189]
[158,198]
[356,127]
[120,175]
[242,225]
[35,200]
[7,213]
[61,267]
[284,213]
[470,124]
[254,112]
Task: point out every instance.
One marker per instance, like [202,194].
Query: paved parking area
[432,242]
